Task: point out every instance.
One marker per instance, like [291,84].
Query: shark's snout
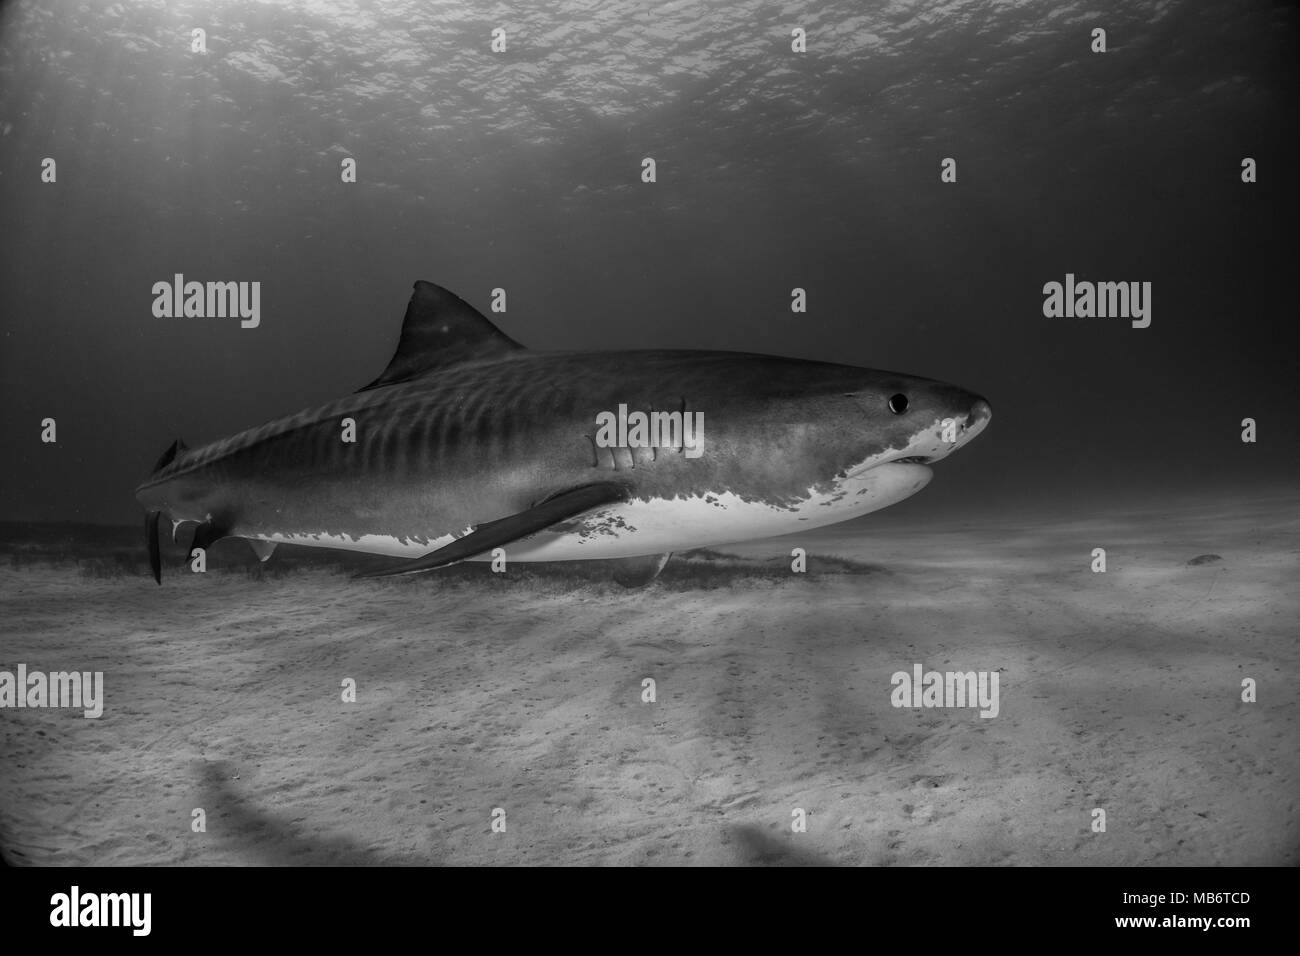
[956,422]
[977,420]
[961,429]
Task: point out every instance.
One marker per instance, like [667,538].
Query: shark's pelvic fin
[495,534]
[263,549]
[638,572]
[441,329]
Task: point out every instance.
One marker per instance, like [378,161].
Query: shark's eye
[898,404]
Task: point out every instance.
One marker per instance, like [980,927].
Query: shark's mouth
[865,467]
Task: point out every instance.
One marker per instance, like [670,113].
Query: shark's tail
[151,537]
[206,532]
[151,517]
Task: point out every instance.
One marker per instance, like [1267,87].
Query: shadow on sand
[758,848]
[257,836]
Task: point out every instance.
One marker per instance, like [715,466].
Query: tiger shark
[471,446]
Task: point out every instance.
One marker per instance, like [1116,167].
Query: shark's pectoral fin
[151,536]
[638,572]
[263,549]
[496,534]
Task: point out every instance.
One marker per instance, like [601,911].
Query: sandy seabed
[1119,691]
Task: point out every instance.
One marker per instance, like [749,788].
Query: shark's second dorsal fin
[178,448]
[441,329]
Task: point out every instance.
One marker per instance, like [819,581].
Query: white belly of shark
[660,525]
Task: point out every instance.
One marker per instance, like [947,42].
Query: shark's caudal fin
[494,534]
[208,533]
[174,451]
[151,537]
[441,329]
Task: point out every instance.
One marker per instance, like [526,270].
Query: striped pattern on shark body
[468,430]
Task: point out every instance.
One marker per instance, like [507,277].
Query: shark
[470,446]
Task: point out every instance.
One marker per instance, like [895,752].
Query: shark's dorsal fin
[441,329]
[178,448]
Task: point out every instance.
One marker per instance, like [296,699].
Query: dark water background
[775,170]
